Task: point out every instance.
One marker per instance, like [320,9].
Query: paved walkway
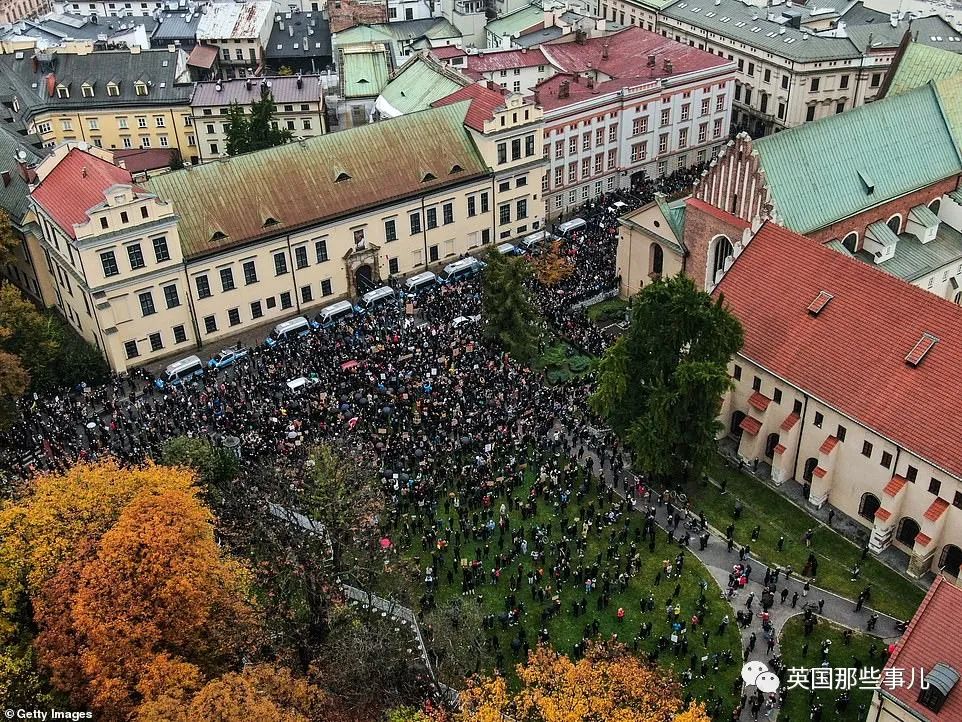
[719,562]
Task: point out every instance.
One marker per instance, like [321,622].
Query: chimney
[591,82]
[300,81]
[218,87]
[581,37]
[564,89]
[604,50]
[247,83]
[651,60]
[537,97]
[83,172]
[668,66]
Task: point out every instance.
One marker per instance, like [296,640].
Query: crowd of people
[450,420]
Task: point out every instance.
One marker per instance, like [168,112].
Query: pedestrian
[794,599]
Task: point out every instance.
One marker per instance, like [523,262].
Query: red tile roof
[789,423]
[484,101]
[716,213]
[203,56]
[76,185]
[883,514]
[486,62]
[759,401]
[820,472]
[895,485]
[828,445]
[628,50]
[751,425]
[936,509]
[923,539]
[780,448]
[137,160]
[448,51]
[852,355]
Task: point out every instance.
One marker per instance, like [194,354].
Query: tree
[662,382]
[608,685]
[157,585]
[14,380]
[456,639]
[9,241]
[176,160]
[215,465]
[256,130]
[553,266]
[510,318]
[285,70]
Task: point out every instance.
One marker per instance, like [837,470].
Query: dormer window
[456,168]
[939,683]
[429,176]
[270,221]
[16,105]
[63,91]
[341,176]
[218,236]
[140,88]
[87,90]
[113,89]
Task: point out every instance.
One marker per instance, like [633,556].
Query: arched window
[868,506]
[736,427]
[895,223]
[656,259]
[907,531]
[935,205]
[958,298]
[809,471]
[720,250]
[951,560]
[770,443]
[850,242]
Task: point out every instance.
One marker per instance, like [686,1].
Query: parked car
[227,357]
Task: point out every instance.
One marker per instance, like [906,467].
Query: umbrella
[385,543]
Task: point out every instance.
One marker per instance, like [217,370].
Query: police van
[334,314]
[420,283]
[374,298]
[180,372]
[566,229]
[297,326]
[462,270]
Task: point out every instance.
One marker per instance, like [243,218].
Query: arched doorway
[951,560]
[935,205]
[907,531]
[810,465]
[850,242]
[364,278]
[868,506]
[895,223]
[736,427]
[770,445]
[656,259]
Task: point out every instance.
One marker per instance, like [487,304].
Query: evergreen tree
[510,318]
[237,131]
[255,130]
[662,382]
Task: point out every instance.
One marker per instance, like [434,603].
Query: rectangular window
[818,419]
[911,473]
[957,500]
[502,153]
[390,230]
[210,324]
[256,310]
[393,267]
[415,219]
[663,143]
[683,138]
[472,207]
[843,82]
[135,255]
[639,125]
[447,213]
[813,85]
[431,218]
[702,132]
[226,279]
[886,460]
[612,156]
[203,286]
[147,303]
[612,132]
[572,145]
[599,136]
[840,433]
[586,141]
[559,174]
[768,75]
[233,316]
[797,407]
[180,335]
[528,146]
[639,151]
[784,82]
[521,181]
[484,202]
[599,164]
[504,214]
[286,301]
[751,68]
[867,449]
[326,289]
[171,296]
[522,210]
[720,102]
[320,251]
[516,149]
[280,263]
[716,130]
[559,149]
[156,343]
[685,111]
[757,384]
[300,257]
[585,167]
[665,117]
[307,294]
[161,253]
[109,261]
[777,396]
[130,348]
[705,106]
[737,373]
[573,172]
[810,113]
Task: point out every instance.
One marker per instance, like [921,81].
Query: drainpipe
[798,446]
[424,230]
[190,303]
[296,289]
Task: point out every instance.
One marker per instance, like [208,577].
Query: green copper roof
[920,64]
[365,74]
[416,85]
[833,168]
[914,259]
[268,194]
[517,21]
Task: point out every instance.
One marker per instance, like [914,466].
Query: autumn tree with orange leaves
[608,685]
[553,266]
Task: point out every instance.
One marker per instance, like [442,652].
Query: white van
[569,227]
[461,270]
[535,241]
[421,282]
[180,372]
[330,315]
[508,249]
[297,326]
[376,297]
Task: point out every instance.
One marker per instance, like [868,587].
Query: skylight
[820,302]
[922,347]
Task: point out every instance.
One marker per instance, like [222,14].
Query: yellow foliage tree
[157,585]
[62,518]
[553,266]
[608,685]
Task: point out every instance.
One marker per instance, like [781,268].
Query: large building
[240,31]
[113,99]
[796,62]
[880,183]
[299,108]
[148,270]
[846,385]
[922,674]
[628,106]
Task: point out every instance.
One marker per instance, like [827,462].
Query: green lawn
[566,629]
[561,362]
[798,701]
[891,592]
[611,309]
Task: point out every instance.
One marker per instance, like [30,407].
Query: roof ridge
[900,645]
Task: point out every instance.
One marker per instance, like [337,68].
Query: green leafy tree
[8,238]
[247,132]
[237,130]
[662,382]
[285,70]
[216,466]
[510,318]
